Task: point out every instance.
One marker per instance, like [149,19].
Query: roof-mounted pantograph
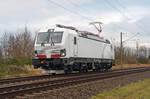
[83,32]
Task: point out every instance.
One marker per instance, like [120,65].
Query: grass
[139,90]
[11,71]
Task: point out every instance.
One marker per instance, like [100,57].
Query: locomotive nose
[58,53]
[52,53]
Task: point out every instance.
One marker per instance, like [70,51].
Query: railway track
[42,77]
[21,89]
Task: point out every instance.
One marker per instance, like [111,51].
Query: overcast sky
[128,16]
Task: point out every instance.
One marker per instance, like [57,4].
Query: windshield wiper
[52,43]
[42,44]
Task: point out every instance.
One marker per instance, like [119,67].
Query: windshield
[49,37]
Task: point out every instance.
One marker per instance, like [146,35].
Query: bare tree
[17,44]
[4,45]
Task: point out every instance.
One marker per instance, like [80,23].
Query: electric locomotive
[66,49]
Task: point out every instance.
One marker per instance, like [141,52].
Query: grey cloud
[15,14]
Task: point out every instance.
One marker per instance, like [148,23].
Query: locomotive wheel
[86,70]
[68,71]
[53,74]
[97,70]
[94,70]
[106,67]
[80,71]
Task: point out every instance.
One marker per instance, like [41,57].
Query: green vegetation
[17,67]
[13,67]
[139,90]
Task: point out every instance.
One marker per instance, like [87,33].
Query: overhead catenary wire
[122,13]
[78,6]
[114,7]
[74,4]
[131,37]
[84,9]
[124,7]
[71,11]
[85,17]
[74,12]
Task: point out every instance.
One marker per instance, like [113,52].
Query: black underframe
[60,63]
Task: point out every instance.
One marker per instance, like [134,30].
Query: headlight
[63,53]
[35,53]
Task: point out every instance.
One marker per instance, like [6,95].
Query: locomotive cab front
[48,50]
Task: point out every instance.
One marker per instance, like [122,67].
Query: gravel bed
[42,80]
[87,90]
[31,81]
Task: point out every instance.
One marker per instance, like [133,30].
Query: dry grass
[11,71]
[130,66]
[31,71]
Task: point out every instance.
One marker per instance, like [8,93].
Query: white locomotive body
[67,50]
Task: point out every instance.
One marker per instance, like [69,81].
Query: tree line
[18,49]
[133,55]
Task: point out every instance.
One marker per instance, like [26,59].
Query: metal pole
[121,50]
[137,48]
